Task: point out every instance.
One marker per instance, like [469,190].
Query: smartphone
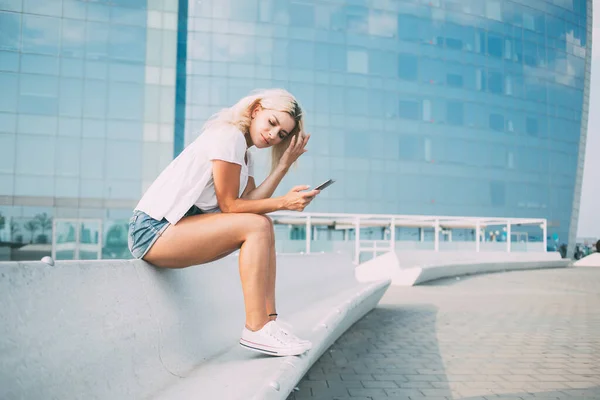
[325,184]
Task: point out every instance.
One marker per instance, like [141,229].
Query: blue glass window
[126,101]
[71,97]
[497,122]
[74,9]
[10,31]
[39,64]
[96,40]
[301,54]
[9,61]
[127,43]
[73,42]
[409,109]
[302,14]
[495,45]
[454,112]
[11,5]
[532,126]
[38,94]
[410,148]
[41,34]
[408,66]
[7,152]
[356,144]
[42,7]
[128,16]
[71,67]
[94,99]
[495,82]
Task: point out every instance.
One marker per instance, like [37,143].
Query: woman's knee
[260,224]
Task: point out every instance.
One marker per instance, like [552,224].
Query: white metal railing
[439,224]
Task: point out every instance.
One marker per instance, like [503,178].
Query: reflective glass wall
[86,119]
[441,107]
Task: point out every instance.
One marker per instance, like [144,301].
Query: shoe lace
[286,329]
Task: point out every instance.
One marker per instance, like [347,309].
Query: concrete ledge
[419,267]
[592,260]
[124,329]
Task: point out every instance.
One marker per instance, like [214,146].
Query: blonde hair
[240,115]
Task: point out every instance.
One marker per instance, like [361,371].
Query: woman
[205,205]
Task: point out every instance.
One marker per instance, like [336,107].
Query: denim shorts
[145,230]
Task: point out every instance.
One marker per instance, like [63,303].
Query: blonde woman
[206,205]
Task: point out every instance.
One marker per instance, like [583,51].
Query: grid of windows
[86,111]
[410,95]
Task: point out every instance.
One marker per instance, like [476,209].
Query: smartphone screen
[324,184]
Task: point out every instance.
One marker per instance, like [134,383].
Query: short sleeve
[250,164]
[227,144]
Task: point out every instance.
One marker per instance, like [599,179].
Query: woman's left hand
[294,150]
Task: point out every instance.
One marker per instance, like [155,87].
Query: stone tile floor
[517,335]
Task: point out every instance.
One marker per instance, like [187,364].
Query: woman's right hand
[296,200]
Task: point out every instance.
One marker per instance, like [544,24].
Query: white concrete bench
[409,268]
[127,330]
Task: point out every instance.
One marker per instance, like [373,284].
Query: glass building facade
[87,94]
[437,107]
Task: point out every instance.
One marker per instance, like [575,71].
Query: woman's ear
[256,109]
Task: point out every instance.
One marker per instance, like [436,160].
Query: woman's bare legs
[203,238]
[271,275]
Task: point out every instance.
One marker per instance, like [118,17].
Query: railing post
[545,234]
[308,233]
[436,238]
[477,237]
[508,236]
[393,235]
[54,239]
[356,240]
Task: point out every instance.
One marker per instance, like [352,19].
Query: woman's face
[269,127]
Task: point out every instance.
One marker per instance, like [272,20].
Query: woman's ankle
[256,326]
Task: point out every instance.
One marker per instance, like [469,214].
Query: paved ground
[517,335]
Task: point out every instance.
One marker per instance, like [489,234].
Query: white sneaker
[286,329]
[271,340]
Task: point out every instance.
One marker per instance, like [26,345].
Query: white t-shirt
[188,179]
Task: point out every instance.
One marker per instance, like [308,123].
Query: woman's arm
[268,186]
[226,176]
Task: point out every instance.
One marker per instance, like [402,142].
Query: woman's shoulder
[223,129]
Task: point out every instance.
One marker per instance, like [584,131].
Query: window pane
[10,87]
[408,66]
[7,152]
[455,112]
[126,101]
[71,97]
[9,61]
[38,94]
[38,64]
[127,43]
[42,7]
[72,38]
[10,31]
[409,109]
[67,156]
[96,40]
[35,155]
[92,158]
[41,34]
[94,99]
[497,122]
[358,62]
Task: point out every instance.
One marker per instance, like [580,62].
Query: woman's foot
[271,339]
[286,329]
